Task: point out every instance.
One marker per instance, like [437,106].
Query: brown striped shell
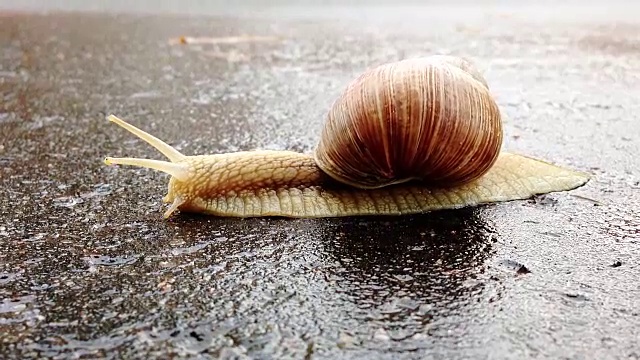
[431,119]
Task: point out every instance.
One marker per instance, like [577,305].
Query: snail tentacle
[179,171]
[174,168]
[167,150]
[175,205]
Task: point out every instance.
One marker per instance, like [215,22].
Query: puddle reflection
[409,268]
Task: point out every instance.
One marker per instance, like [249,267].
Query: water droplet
[105,260]
[67,201]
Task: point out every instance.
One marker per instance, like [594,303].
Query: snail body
[408,137]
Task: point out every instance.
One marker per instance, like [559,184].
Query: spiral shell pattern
[429,119]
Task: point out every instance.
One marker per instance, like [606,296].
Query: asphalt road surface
[90,269]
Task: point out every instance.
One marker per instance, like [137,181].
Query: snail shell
[430,119]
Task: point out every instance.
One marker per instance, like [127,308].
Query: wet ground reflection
[407,275]
[413,250]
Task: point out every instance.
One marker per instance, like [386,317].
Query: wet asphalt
[90,269]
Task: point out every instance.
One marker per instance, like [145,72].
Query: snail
[406,137]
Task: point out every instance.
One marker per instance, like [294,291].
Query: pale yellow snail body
[408,137]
